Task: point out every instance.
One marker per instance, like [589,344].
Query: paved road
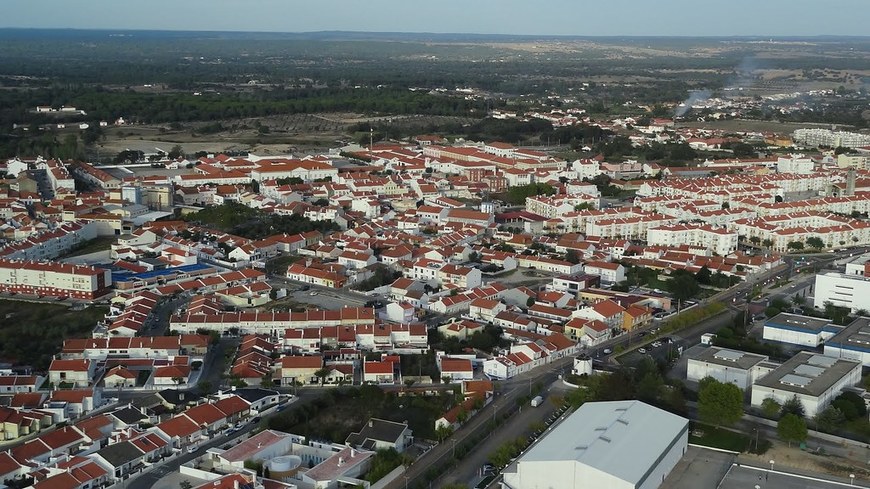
[509,392]
[519,425]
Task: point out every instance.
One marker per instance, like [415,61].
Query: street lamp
[406,482]
[851,479]
[771,465]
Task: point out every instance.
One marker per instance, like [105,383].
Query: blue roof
[126,277]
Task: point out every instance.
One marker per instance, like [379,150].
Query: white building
[729,366]
[800,330]
[840,289]
[593,447]
[852,343]
[814,379]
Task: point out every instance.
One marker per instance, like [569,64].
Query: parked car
[642,351]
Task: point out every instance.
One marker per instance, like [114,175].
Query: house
[606,311]
[179,431]
[378,372]
[120,460]
[12,384]
[635,317]
[456,369]
[400,312]
[208,417]
[119,377]
[610,272]
[300,369]
[77,372]
[380,434]
[485,309]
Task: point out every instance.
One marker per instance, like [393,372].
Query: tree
[176,151]
[185,484]
[704,275]
[571,256]
[204,386]
[683,287]
[720,404]
[829,419]
[442,432]
[767,243]
[321,374]
[792,428]
[795,245]
[770,407]
[815,242]
[754,240]
[793,406]
[798,300]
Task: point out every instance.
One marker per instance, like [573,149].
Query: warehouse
[814,379]
[795,329]
[853,343]
[735,367]
[591,448]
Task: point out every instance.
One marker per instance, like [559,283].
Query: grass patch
[101,243]
[710,436]
[279,264]
[32,332]
[342,411]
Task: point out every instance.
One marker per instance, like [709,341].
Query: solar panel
[822,361]
[809,371]
[729,355]
[795,380]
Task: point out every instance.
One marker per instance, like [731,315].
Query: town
[437,310]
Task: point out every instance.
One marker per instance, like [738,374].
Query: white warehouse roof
[606,435]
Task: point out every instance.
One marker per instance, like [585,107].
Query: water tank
[284,467]
[583,365]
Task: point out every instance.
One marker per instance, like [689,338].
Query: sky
[766,18]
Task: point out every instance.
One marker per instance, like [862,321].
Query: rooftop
[604,435]
[729,358]
[808,373]
[797,322]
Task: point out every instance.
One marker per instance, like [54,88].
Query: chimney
[340,461]
[370,423]
[352,453]
[236,484]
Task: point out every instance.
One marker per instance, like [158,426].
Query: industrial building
[619,444]
[734,367]
[852,343]
[814,379]
[795,329]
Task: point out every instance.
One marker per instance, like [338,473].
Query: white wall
[842,290]
[698,370]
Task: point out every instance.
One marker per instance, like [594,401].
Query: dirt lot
[288,133]
[795,458]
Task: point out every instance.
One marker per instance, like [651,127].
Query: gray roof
[606,435]
[854,336]
[808,373]
[118,454]
[254,394]
[378,430]
[729,358]
[129,415]
[797,321]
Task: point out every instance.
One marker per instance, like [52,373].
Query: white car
[608,351]
[192,448]
[642,351]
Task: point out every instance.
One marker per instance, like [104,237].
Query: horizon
[446,34]
[554,18]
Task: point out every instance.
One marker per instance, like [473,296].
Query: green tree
[321,374]
[755,240]
[720,404]
[792,428]
[704,275]
[795,245]
[829,419]
[815,242]
[571,256]
[175,152]
[767,243]
[793,406]
[683,287]
[770,407]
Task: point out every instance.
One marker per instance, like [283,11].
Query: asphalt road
[519,425]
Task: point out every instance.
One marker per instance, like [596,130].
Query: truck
[537,401]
